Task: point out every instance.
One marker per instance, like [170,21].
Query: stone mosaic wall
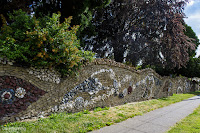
[32,93]
[16,95]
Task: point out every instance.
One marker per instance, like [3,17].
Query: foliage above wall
[146,31]
[192,68]
[82,11]
[43,42]
[139,32]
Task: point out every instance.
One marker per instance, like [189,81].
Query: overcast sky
[192,11]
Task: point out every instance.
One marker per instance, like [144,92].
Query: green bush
[42,42]
[97,109]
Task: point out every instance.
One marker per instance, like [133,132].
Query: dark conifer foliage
[7,6]
[81,10]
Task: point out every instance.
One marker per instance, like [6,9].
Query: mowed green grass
[91,120]
[190,124]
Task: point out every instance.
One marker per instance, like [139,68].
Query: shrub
[12,36]
[42,42]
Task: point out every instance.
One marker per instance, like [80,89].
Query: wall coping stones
[6,61]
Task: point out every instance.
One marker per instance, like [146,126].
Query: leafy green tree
[30,42]
[192,68]
[191,34]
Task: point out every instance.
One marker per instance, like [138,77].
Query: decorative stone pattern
[16,95]
[187,86]
[6,61]
[20,92]
[45,75]
[91,86]
[33,93]
[148,88]
[7,96]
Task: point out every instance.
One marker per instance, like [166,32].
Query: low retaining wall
[28,92]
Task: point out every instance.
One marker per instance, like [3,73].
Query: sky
[192,11]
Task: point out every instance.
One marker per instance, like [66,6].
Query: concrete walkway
[157,121]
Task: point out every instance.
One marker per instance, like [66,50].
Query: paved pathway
[157,121]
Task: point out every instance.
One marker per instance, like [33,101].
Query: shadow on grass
[195,93]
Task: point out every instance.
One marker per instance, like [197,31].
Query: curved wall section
[31,93]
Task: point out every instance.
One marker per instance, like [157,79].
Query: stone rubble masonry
[100,83]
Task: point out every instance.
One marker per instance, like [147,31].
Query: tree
[81,10]
[191,34]
[192,68]
[151,32]
[31,41]
[7,6]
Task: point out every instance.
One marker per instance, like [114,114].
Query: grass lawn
[190,124]
[90,120]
